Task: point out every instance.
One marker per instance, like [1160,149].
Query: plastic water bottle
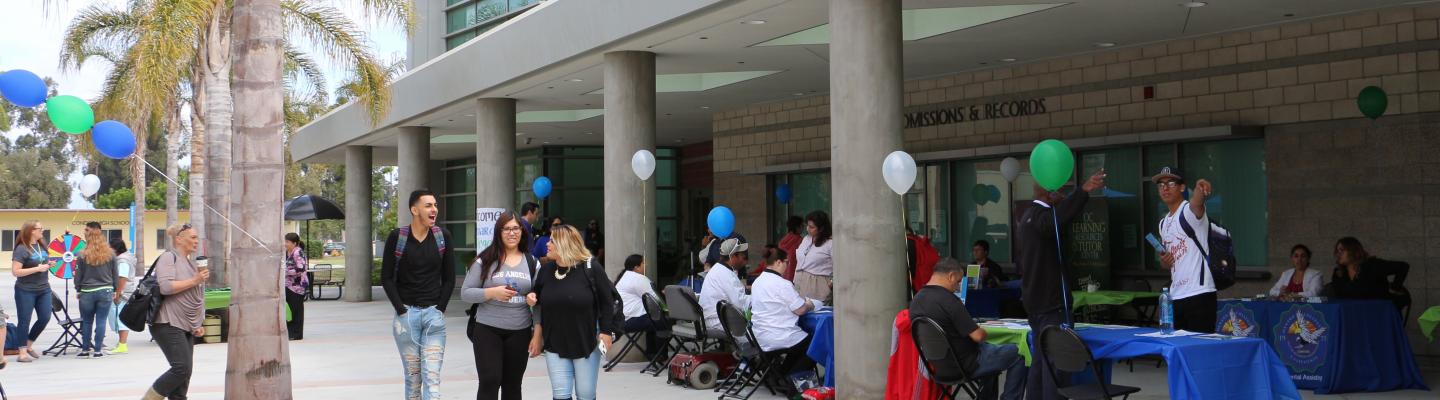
[1167,312]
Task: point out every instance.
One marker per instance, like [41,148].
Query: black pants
[296,324]
[500,358]
[178,345]
[1196,313]
[1040,385]
[796,360]
[644,324]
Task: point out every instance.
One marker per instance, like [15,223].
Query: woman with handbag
[500,328]
[178,321]
[574,313]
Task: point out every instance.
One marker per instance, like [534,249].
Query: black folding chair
[69,328]
[689,327]
[663,338]
[941,362]
[756,365]
[632,341]
[1065,351]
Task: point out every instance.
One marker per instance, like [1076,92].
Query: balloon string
[207,206]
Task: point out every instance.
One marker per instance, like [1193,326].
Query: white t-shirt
[632,286]
[721,284]
[772,312]
[1185,276]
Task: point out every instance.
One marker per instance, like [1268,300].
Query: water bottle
[1167,312]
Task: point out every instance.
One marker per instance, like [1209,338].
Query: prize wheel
[64,251]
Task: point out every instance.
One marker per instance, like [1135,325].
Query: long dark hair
[822,224]
[795,224]
[1353,246]
[492,254]
[293,238]
[631,262]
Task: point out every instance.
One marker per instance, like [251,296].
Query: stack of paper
[1159,334]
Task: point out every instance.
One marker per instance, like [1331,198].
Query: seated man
[775,310]
[938,302]
[721,283]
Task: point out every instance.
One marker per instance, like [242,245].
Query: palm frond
[329,30]
[169,32]
[97,26]
[300,67]
[401,12]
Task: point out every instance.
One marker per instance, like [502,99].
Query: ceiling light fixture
[1193,4]
[798,94]
[589,133]
[469,115]
[704,107]
[1007,60]
[754,22]
[1288,15]
[1104,44]
[574,80]
[704,38]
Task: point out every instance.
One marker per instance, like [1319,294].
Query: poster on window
[485,226]
[1090,242]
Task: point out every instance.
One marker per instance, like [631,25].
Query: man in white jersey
[1191,285]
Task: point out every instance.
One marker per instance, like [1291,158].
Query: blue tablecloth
[1239,368]
[821,326]
[1339,346]
[985,303]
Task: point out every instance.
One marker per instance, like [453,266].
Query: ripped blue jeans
[420,336]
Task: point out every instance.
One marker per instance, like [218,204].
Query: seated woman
[1362,276]
[1300,280]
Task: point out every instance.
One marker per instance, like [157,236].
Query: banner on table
[1302,339]
[1236,320]
[485,226]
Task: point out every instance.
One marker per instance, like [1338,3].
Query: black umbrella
[308,207]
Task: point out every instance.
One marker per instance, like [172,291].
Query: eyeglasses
[511,229]
[183,228]
[1168,184]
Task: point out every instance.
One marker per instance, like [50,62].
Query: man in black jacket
[418,278]
[1045,296]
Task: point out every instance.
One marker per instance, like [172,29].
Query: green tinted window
[983,207]
[1236,168]
[460,180]
[459,18]
[457,40]
[459,208]
[1110,230]
[665,204]
[666,172]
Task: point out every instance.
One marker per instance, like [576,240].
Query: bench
[322,275]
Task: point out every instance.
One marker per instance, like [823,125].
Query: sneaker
[98,354]
[33,353]
[120,349]
[83,354]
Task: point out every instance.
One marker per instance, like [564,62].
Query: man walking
[417,276]
[1045,296]
[1191,284]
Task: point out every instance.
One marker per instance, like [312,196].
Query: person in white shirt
[813,265]
[632,285]
[775,310]
[721,283]
[1301,280]
[1191,283]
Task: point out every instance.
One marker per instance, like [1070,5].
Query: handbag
[142,305]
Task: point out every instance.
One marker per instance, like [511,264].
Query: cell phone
[1150,237]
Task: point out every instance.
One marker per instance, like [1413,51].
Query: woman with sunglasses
[500,328]
[178,321]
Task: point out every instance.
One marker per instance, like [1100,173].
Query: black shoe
[97,354]
[83,354]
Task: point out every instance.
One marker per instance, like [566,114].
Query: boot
[151,394]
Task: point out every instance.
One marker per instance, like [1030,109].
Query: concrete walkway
[348,354]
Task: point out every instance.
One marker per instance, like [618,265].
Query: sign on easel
[485,226]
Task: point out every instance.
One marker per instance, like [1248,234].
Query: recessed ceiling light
[545,142]
[1287,15]
[1007,60]
[450,120]
[704,38]
[739,62]
[549,87]
[1104,44]
[1193,4]
[667,114]
[704,107]
[984,63]
[798,94]
[754,22]
[677,141]
[574,80]
[469,115]
[519,133]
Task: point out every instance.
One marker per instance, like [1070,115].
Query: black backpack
[619,306]
[1221,257]
[145,302]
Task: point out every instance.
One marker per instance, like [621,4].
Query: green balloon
[1372,102]
[1052,163]
[70,114]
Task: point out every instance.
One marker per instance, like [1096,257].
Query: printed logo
[68,257]
[1301,338]
[1236,320]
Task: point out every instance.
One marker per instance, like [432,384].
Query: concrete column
[495,154]
[358,251]
[414,161]
[866,96]
[629,126]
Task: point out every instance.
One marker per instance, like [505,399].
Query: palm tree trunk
[137,177]
[172,165]
[219,111]
[198,213]
[259,363]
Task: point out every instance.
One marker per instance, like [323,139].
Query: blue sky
[31,32]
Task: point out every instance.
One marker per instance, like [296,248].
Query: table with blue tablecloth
[1339,346]
[821,326]
[1201,368]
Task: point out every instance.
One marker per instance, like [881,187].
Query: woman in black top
[1361,276]
[572,297]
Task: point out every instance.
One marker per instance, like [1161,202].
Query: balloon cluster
[70,114]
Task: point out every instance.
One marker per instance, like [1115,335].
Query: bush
[375,272]
[314,249]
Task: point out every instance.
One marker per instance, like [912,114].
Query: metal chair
[1065,351]
[756,365]
[689,328]
[941,362]
[70,328]
[663,337]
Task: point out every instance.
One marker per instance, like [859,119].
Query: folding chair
[941,362]
[755,366]
[632,341]
[689,328]
[70,328]
[656,313]
[1066,352]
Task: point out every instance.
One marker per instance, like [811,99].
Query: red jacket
[926,256]
[906,379]
[790,243]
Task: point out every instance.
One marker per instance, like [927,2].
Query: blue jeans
[575,376]
[1006,358]
[39,302]
[94,309]
[420,336]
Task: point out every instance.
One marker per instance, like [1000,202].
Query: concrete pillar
[495,154]
[414,162]
[866,89]
[358,249]
[629,127]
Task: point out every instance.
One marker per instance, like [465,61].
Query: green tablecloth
[1000,335]
[1108,297]
[1428,321]
[220,298]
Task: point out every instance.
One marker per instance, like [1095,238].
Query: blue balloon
[721,221]
[541,187]
[113,139]
[23,88]
[783,193]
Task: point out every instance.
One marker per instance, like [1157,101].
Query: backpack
[405,233]
[145,301]
[530,261]
[618,317]
[1221,257]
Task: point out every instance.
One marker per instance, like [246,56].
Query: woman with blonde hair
[29,263]
[574,308]
[95,277]
[178,321]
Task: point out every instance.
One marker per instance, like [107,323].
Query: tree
[121,198]
[32,181]
[383,207]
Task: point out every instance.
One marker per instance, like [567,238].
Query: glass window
[983,206]
[577,206]
[463,258]
[937,179]
[461,180]
[1236,168]
[665,204]
[810,192]
[459,18]
[7,240]
[459,208]
[666,172]
[1108,233]
[463,232]
[457,40]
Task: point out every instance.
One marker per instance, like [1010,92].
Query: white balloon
[89,185]
[643,163]
[899,171]
[1010,169]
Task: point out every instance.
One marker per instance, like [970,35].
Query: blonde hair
[25,231]
[97,249]
[173,232]
[569,249]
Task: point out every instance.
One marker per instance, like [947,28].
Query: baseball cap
[1168,173]
[732,246]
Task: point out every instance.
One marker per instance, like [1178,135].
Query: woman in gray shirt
[500,331]
[32,285]
[95,277]
[178,321]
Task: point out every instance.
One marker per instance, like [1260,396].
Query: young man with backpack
[1192,278]
[418,278]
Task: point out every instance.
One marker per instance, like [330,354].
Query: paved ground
[349,354]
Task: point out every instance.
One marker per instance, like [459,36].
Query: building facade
[116,224]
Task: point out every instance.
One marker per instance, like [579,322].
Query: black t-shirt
[1038,259]
[941,305]
[567,308]
[423,277]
